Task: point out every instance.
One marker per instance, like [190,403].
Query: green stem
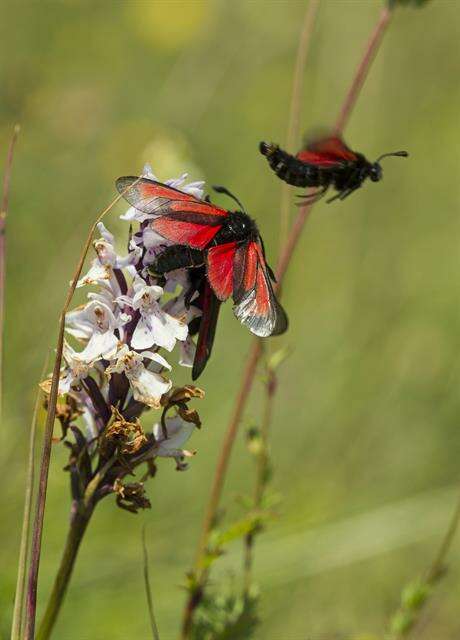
[74,537]
[263,463]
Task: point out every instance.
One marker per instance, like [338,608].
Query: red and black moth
[225,245]
[325,162]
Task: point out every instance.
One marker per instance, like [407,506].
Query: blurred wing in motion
[326,152]
[256,305]
[182,218]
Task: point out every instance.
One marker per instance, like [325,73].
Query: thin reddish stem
[229,438]
[3,214]
[31,598]
[363,69]
[256,349]
[296,107]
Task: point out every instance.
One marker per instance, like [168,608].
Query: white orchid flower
[170,444]
[155,326]
[147,386]
[95,323]
[101,270]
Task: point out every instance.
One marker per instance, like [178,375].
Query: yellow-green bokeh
[366,426]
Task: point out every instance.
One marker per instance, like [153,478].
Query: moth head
[375,171]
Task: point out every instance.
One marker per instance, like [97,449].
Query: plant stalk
[262,470]
[78,525]
[295,108]
[363,69]
[17,624]
[31,598]
[3,214]
[256,350]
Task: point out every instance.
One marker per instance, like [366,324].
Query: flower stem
[17,624]
[3,214]
[148,589]
[295,108]
[406,617]
[363,68]
[262,471]
[31,599]
[256,350]
[224,457]
[77,529]
[436,568]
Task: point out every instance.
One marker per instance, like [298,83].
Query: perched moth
[226,245]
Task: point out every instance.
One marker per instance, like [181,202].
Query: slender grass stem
[229,438]
[262,471]
[296,107]
[255,351]
[148,589]
[404,620]
[31,600]
[436,568]
[3,215]
[365,64]
[17,623]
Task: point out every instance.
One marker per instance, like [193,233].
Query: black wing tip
[198,368]
[282,322]
[124,181]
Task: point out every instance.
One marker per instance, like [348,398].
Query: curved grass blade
[148,590]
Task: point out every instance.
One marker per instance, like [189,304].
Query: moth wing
[326,150]
[256,305]
[220,269]
[207,331]
[180,217]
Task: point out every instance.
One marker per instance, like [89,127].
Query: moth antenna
[220,189]
[401,154]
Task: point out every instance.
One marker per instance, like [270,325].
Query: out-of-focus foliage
[226,617]
[366,435]
[406,3]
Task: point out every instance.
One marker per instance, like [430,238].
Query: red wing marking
[192,234]
[180,217]
[327,152]
[220,269]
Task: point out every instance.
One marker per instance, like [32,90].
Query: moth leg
[344,194]
[311,197]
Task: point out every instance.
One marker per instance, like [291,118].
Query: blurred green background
[366,428]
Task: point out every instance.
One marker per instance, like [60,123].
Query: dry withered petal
[179,398]
[128,437]
[184,394]
[66,412]
[190,415]
[131,496]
